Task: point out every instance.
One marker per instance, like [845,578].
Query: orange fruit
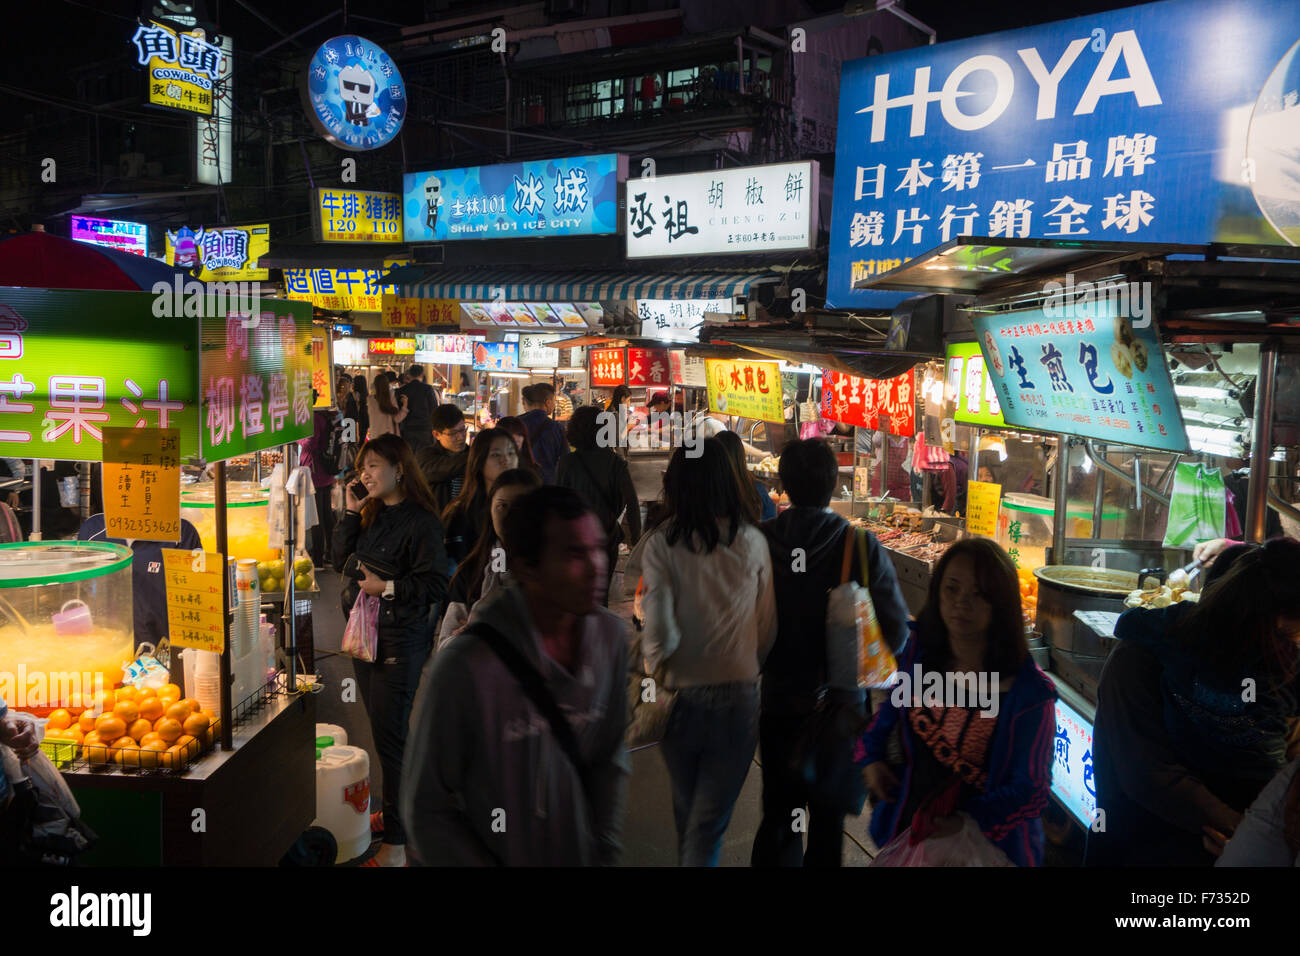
[96,750]
[178,711]
[86,721]
[169,729]
[59,720]
[118,746]
[127,692]
[147,757]
[170,690]
[55,733]
[110,726]
[190,745]
[191,703]
[151,738]
[127,710]
[197,724]
[151,708]
[139,728]
[146,693]
[75,735]
[168,698]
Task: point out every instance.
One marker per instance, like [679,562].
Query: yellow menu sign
[744,388]
[982,501]
[142,483]
[194,613]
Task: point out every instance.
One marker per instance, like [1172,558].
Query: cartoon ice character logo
[185,247]
[432,200]
[357,87]
[1272,165]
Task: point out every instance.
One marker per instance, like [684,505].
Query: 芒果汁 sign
[576,196]
[1097,374]
[356,215]
[256,382]
[356,98]
[1166,123]
[744,388]
[861,401]
[748,209]
[74,362]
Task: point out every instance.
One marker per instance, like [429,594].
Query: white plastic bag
[967,847]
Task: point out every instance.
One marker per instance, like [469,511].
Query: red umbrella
[40,260]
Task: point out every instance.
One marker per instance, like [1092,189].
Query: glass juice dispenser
[247,513]
[65,622]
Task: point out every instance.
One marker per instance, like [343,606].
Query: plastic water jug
[333,730]
[343,799]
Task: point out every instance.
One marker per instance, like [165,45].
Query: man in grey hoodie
[486,781]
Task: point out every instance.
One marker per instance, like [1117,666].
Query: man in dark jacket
[443,462]
[421,399]
[807,546]
[545,435]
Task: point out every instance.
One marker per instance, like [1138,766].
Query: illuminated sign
[446,349]
[130,237]
[356,96]
[214,144]
[223,252]
[392,346]
[862,401]
[677,320]
[341,290]
[496,356]
[1072,779]
[975,400]
[538,351]
[355,215]
[577,196]
[744,388]
[183,67]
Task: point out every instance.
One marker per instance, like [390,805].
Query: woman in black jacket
[601,478]
[394,532]
[492,453]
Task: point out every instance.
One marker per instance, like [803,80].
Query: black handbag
[823,754]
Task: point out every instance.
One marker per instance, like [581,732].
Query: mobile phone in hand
[358,490]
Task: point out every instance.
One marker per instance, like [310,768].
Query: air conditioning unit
[130,165]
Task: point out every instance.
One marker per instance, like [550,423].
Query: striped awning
[479,285]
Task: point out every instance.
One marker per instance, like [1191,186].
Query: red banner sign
[861,401]
[607,367]
[648,368]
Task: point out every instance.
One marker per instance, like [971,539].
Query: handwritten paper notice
[194,613]
[142,483]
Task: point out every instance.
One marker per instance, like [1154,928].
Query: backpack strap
[849,534]
[534,687]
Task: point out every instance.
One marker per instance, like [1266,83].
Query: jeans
[321,535]
[777,842]
[708,746]
[388,691]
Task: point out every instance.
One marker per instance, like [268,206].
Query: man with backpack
[807,543]
[515,755]
[545,435]
[323,451]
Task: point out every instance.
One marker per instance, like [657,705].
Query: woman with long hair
[361,393]
[516,428]
[393,539]
[982,745]
[748,486]
[710,619]
[480,572]
[385,412]
[491,453]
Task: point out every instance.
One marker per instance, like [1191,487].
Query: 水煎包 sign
[749,209]
[1072,765]
[648,368]
[130,237]
[257,382]
[341,290]
[975,400]
[74,362]
[606,368]
[222,253]
[744,388]
[677,320]
[356,98]
[1096,374]
[1167,122]
[183,67]
[355,215]
[862,401]
[446,349]
[577,196]
[496,356]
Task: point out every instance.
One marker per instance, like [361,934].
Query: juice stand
[87,361]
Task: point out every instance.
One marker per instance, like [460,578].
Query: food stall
[230,780]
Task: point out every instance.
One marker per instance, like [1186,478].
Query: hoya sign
[1171,122]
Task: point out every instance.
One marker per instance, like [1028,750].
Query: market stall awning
[532,285]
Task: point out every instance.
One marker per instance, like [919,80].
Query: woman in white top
[385,412]
[710,619]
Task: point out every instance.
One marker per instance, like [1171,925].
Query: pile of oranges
[1028,595]
[138,727]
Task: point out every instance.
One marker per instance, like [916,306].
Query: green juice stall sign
[73,362]
[256,380]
